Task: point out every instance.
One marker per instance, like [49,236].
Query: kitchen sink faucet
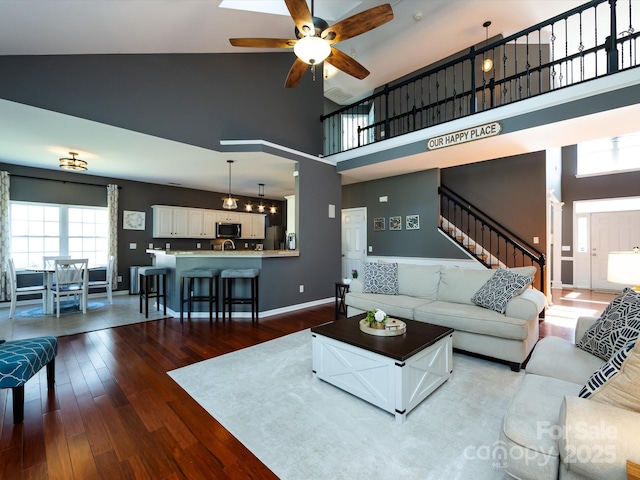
[233,245]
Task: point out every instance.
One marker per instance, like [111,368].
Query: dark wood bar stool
[191,275]
[229,277]
[150,280]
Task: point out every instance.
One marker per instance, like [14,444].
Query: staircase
[484,239]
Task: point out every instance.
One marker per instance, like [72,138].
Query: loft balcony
[592,41]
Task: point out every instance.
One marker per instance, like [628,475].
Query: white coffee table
[393,373]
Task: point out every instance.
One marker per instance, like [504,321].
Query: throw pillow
[500,288]
[381,278]
[618,325]
[617,382]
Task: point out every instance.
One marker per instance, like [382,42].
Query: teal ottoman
[22,359]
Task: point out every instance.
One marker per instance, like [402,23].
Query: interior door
[611,232]
[354,240]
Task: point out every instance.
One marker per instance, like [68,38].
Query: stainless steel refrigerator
[274,237]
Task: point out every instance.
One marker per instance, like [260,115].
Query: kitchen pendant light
[229,203]
[487,63]
[261,206]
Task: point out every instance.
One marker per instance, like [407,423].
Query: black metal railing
[579,45]
[489,242]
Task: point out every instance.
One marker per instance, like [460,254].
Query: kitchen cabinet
[202,223]
[252,226]
[226,216]
[170,222]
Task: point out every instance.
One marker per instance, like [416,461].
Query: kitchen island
[271,264]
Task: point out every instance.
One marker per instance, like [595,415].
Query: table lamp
[624,267]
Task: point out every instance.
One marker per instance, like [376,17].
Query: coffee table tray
[398,327]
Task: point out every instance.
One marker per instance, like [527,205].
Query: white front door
[611,232]
[354,240]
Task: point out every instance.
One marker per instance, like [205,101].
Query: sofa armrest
[597,439]
[356,286]
[527,305]
[582,326]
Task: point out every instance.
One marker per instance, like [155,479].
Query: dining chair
[16,291]
[106,283]
[70,280]
[49,261]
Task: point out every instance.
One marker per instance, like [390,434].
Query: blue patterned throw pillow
[500,288]
[608,371]
[381,278]
[618,325]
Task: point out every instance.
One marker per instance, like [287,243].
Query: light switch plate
[332,211]
[167,246]
[133,246]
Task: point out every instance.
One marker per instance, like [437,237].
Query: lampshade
[312,50]
[624,268]
[228,202]
[73,163]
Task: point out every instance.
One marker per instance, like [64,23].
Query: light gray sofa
[549,432]
[442,296]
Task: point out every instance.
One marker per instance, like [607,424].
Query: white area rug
[304,428]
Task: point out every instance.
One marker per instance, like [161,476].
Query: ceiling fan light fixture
[228,202]
[73,163]
[312,50]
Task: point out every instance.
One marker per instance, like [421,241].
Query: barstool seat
[200,273]
[229,276]
[149,275]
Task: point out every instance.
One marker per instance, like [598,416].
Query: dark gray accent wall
[615,185]
[411,194]
[197,99]
[510,190]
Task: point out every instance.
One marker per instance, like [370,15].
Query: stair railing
[491,239]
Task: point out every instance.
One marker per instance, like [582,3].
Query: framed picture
[412,222]
[132,220]
[378,224]
[395,223]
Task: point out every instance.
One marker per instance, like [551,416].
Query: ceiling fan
[315,39]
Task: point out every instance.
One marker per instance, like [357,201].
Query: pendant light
[229,203]
[261,206]
[487,63]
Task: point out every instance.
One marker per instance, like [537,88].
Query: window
[609,155]
[39,229]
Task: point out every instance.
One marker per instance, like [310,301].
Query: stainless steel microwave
[228,230]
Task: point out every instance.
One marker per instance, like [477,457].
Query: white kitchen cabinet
[225,216]
[252,226]
[202,223]
[170,222]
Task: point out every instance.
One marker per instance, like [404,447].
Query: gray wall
[199,100]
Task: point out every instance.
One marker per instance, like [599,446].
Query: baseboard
[264,314]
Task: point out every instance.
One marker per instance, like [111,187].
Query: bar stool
[149,275]
[229,276]
[200,273]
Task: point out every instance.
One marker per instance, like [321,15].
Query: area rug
[66,308]
[304,428]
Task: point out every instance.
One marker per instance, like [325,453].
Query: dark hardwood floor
[115,413]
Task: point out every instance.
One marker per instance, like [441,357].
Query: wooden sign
[463,136]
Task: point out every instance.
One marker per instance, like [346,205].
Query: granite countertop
[226,253]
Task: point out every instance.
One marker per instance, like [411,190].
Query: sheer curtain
[5,233]
[112,205]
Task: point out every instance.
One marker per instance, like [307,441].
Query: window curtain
[112,205]
[5,234]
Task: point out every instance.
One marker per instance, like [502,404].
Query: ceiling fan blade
[348,65]
[301,15]
[296,73]
[263,42]
[359,23]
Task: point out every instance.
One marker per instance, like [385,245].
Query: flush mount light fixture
[228,202]
[487,63]
[73,163]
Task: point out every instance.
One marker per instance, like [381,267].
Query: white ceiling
[42,27]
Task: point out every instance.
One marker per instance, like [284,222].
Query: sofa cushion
[617,382]
[558,358]
[381,278]
[530,426]
[471,318]
[394,305]
[457,285]
[500,288]
[618,325]
[419,280]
